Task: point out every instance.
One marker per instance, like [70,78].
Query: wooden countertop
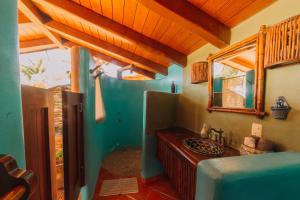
[174,138]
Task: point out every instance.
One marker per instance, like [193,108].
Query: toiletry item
[204,132]
[250,142]
[173,87]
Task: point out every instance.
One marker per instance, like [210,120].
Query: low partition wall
[159,113]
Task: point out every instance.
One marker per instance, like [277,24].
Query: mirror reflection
[234,78]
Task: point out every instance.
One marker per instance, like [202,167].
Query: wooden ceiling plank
[192,18]
[94,19]
[130,7]
[29,9]
[249,11]
[22,19]
[105,47]
[107,7]
[118,10]
[36,45]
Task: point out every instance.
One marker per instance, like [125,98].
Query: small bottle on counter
[173,88]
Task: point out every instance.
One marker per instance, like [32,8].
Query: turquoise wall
[124,107]
[11,134]
[123,125]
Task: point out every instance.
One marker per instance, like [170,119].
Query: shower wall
[123,125]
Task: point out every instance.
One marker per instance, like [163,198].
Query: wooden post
[75,68]
[260,53]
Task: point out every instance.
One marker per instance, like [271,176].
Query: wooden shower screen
[283,43]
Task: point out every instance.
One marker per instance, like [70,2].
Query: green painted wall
[282,81]
[159,113]
[11,134]
[123,125]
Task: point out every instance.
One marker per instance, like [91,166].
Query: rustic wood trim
[105,47]
[34,15]
[283,43]
[98,21]
[259,40]
[192,18]
[36,45]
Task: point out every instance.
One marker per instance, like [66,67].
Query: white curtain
[99,104]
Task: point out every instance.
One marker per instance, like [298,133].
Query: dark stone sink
[204,146]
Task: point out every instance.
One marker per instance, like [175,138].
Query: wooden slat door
[73,143]
[39,136]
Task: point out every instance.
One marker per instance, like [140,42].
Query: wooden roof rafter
[194,19]
[117,62]
[36,45]
[98,21]
[109,59]
[96,44]
[34,15]
[137,70]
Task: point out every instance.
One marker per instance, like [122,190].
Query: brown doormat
[119,186]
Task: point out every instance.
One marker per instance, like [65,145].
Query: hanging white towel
[99,104]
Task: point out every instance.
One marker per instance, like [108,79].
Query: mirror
[233,79]
[236,78]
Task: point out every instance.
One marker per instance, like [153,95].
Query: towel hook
[97,71]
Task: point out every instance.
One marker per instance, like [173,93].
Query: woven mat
[119,186]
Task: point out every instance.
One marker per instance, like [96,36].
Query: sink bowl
[204,146]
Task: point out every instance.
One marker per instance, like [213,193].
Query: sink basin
[204,146]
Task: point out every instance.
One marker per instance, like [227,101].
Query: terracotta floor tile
[164,186]
[157,196]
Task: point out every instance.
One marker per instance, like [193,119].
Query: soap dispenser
[204,131]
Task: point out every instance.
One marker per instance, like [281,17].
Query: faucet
[213,131]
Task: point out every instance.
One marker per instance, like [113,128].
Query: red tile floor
[160,189]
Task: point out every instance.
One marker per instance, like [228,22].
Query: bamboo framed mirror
[236,77]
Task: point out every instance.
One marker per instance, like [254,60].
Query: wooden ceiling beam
[143,72]
[98,21]
[101,56]
[109,59]
[137,70]
[192,18]
[116,62]
[36,45]
[34,15]
[96,44]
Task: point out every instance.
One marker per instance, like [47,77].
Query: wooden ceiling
[150,34]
